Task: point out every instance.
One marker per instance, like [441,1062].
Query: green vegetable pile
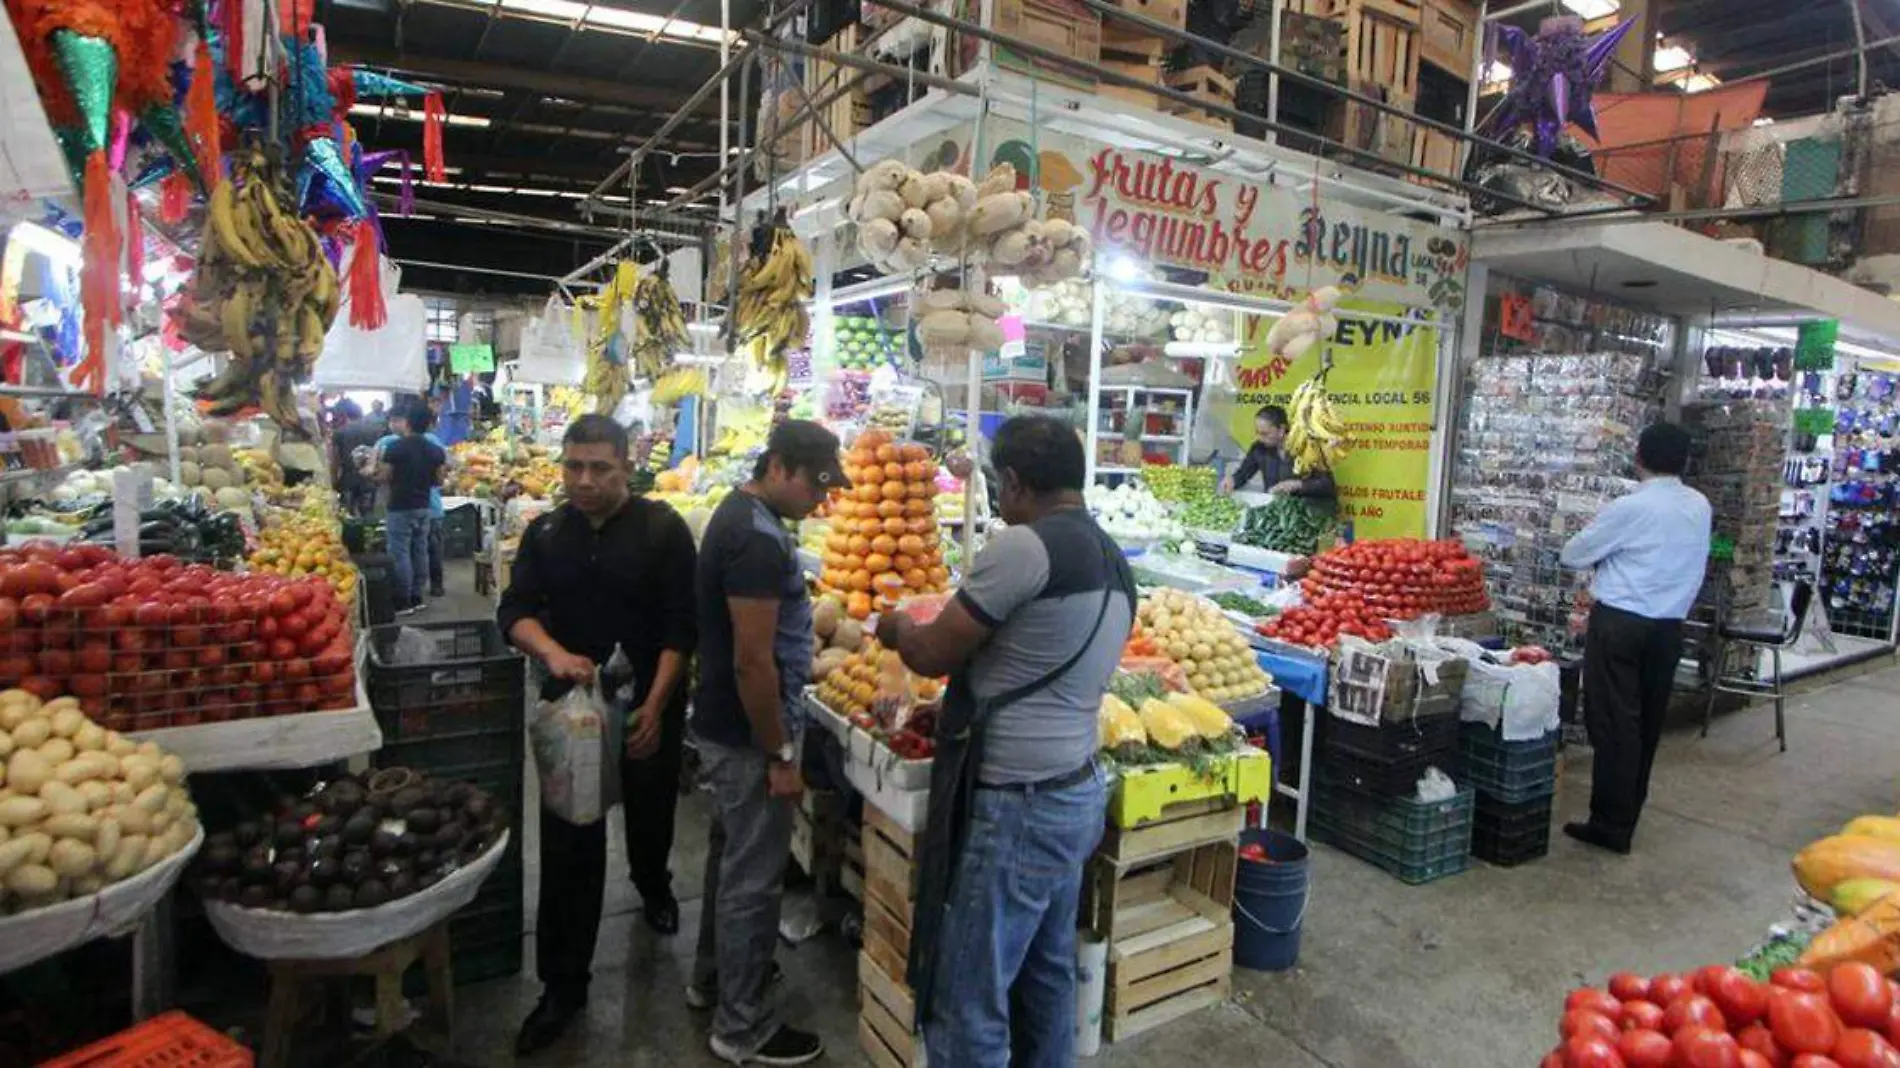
[1203,508]
[1285,525]
[1245,605]
[1782,951]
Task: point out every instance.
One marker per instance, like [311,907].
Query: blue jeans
[1006,973]
[408,535]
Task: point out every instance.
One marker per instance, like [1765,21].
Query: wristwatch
[786,753]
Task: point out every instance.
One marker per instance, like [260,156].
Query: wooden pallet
[1182,826]
[1202,83]
[885,1007]
[1170,935]
[851,111]
[851,875]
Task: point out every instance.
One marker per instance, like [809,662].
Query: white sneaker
[788,1046]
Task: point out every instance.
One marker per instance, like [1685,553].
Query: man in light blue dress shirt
[1650,550]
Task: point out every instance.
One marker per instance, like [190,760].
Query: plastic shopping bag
[572,736]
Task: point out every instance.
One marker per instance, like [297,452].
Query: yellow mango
[1853,896]
[1887,827]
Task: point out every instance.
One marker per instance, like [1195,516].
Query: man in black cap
[755,649]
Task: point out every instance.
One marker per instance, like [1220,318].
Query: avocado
[478,809]
[302,811]
[360,828]
[289,834]
[382,842]
[458,793]
[230,889]
[256,867]
[221,857]
[327,826]
[402,884]
[324,870]
[371,894]
[449,838]
[285,875]
[306,898]
[424,821]
[407,800]
[330,846]
[247,834]
[426,861]
[339,898]
[355,867]
[255,896]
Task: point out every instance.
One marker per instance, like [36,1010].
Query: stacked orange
[884,542]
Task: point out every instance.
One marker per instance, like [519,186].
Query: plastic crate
[1510,772]
[473,683]
[1388,759]
[461,532]
[1414,841]
[171,1040]
[1511,834]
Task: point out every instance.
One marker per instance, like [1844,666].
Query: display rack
[1168,434]
[1861,542]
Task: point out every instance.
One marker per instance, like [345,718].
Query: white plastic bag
[1521,701]
[550,352]
[572,736]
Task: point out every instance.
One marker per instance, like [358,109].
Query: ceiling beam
[503,76]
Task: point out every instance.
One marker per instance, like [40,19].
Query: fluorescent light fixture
[414,216]
[52,244]
[1592,9]
[704,328]
[1201,350]
[394,164]
[1123,269]
[597,17]
[1497,74]
[694,359]
[1764,120]
[489,188]
[1671,57]
[396,111]
[676,190]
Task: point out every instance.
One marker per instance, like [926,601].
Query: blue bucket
[1270,902]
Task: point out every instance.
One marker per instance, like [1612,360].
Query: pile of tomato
[156,643]
[1402,578]
[1321,621]
[1718,1017]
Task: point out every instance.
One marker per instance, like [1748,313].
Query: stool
[290,978]
[1772,633]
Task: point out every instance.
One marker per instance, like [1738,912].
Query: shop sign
[1260,237]
[1814,345]
[472,359]
[1384,383]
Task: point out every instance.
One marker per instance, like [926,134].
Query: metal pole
[171,415]
[1274,11]
[739,232]
[725,115]
[1769,211]
[672,122]
[494,271]
[1098,316]
[1472,87]
[1249,59]
[1787,68]
[1860,41]
[1516,9]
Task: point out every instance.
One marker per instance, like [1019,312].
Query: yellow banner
[1383,383]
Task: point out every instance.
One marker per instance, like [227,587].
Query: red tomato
[42,687]
[127,664]
[37,607]
[283,649]
[94,657]
[1553,1059]
[188,636]
[1691,1010]
[1893,1023]
[1703,978]
[1641,1016]
[1860,995]
[1803,1023]
[1757,1037]
[9,613]
[87,685]
[330,661]
[1588,1052]
[180,659]
[14,668]
[56,662]
[1741,999]
[298,669]
[1751,1059]
[58,632]
[268,628]
[1645,1049]
[152,614]
[283,603]
[307,695]
[1702,1047]
[211,655]
[1815,1060]
[1799,979]
[1628,986]
[1586,1022]
[1861,1048]
[264,672]
[86,595]
[293,626]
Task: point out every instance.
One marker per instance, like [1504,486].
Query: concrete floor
[1468,971]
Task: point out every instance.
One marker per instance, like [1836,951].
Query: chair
[1772,632]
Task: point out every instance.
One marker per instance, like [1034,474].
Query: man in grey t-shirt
[1050,600]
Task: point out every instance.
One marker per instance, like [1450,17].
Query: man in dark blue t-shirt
[755,646]
[412,466]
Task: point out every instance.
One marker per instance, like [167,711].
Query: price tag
[131,496]
[1514,318]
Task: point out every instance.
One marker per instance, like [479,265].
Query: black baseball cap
[802,445]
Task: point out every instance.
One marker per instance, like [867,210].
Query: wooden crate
[1383,134]
[1127,41]
[1447,34]
[851,875]
[1147,70]
[1063,26]
[1182,826]
[1202,83]
[885,1011]
[850,112]
[890,891]
[1170,934]
[1382,41]
[1436,152]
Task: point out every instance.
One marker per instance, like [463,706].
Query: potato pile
[1192,632]
[81,807]
[849,685]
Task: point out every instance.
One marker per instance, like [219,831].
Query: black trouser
[574,863]
[1629,668]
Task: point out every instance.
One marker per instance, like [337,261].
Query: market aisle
[1462,972]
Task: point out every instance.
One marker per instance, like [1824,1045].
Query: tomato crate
[1510,834]
[1414,841]
[171,1040]
[1508,772]
[439,680]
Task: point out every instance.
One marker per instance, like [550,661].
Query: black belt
[1055,782]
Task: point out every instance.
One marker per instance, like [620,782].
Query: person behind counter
[1274,467]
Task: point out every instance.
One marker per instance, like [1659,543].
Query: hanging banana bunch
[678,384]
[608,377]
[659,323]
[1316,437]
[262,291]
[771,319]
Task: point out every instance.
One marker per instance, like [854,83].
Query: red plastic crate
[172,1040]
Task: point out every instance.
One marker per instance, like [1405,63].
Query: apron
[953,782]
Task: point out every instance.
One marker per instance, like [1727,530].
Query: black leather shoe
[662,914]
[548,1021]
[1591,834]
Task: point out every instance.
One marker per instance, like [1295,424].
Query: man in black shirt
[605,568]
[1274,467]
[754,659]
[412,466]
[353,431]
